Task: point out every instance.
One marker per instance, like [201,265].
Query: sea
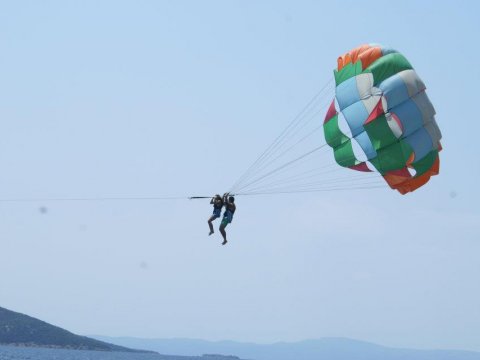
[31,353]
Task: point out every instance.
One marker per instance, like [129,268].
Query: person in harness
[217,203]
[230,207]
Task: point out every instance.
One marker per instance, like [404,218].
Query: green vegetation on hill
[22,330]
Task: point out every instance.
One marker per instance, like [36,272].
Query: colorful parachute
[381,118]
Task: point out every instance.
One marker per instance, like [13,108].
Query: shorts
[216,213]
[225,221]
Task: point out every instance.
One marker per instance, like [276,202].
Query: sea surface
[30,353]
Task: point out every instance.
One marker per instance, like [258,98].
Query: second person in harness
[230,207]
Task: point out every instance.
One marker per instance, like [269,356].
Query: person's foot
[210,233]
[224,242]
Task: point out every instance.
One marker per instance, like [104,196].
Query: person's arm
[228,204]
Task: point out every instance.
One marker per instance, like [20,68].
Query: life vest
[229,213]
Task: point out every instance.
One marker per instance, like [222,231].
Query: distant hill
[321,349]
[22,330]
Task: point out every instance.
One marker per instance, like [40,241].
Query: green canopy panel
[380,133]
[344,155]
[387,66]
[333,135]
[392,157]
[425,164]
[348,71]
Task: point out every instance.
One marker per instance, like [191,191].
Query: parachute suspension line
[319,96]
[304,174]
[340,181]
[260,164]
[255,184]
[291,135]
[282,173]
[286,167]
[305,137]
[280,138]
[318,176]
[266,160]
[282,166]
[365,186]
[301,180]
[268,183]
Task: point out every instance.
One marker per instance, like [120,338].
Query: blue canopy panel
[356,114]
[409,115]
[400,87]
[347,93]
[421,143]
[354,89]
[366,144]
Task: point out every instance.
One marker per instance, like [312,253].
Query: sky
[144,99]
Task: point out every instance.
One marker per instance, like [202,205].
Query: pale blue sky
[138,99]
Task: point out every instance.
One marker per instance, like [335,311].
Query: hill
[321,349]
[22,330]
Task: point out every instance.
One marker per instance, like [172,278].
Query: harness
[229,214]
[217,208]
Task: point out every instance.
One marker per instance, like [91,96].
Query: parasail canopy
[381,118]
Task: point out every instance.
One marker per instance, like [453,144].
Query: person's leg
[223,232]
[210,225]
